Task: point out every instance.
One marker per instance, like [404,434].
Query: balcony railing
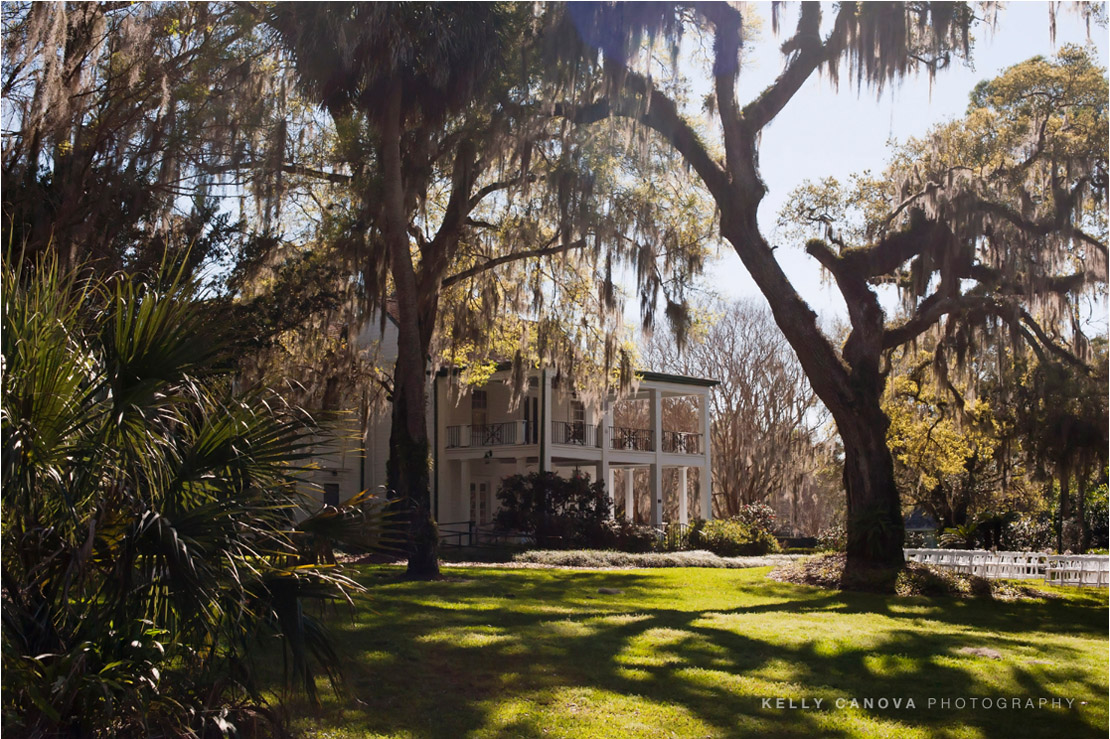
[629,439]
[574,433]
[681,442]
[490,434]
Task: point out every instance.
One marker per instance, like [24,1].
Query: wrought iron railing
[637,440]
[681,442]
[483,435]
[575,433]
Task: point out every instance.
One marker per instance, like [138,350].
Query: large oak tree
[973,237]
[457,181]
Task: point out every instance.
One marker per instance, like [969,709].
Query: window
[478,400]
[577,412]
[331,493]
[531,420]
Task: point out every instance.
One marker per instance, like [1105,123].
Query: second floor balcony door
[479,418]
[531,420]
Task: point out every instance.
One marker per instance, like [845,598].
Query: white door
[481,511]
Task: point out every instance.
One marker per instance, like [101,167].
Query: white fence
[1058,569]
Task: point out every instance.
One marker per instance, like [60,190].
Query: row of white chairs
[1060,569]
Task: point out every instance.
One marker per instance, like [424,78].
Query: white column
[440,470]
[605,472]
[462,500]
[706,476]
[656,470]
[683,513]
[656,486]
[610,478]
[545,421]
[629,494]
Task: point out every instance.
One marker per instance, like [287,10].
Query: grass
[694,653]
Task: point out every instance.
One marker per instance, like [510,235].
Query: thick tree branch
[809,54]
[466,274]
[929,312]
[493,187]
[892,251]
[662,116]
[727,37]
[1047,342]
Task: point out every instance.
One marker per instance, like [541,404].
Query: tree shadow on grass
[443,659]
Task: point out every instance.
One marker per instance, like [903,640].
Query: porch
[643,446]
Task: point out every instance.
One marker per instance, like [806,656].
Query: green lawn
[693,653]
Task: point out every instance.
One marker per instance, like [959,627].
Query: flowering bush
[757,515]
[833,539]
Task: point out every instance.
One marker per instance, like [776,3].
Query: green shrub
[555,511]
[624,536]
[732,538]
[833,539]
[147,515]
[595,558]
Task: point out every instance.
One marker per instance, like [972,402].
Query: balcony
[631,439]
[574,433]
[509,433]
[681,442]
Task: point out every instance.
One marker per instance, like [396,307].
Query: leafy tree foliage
[122,124]
[1060,415]
[147,503]
[470,205]
[945,457]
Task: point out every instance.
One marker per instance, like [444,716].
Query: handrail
[483,435]
[631,439]
[574,433]
[682,442]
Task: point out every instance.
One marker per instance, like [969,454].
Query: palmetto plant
[148,541]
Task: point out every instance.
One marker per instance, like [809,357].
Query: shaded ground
[830,571]
[706,652]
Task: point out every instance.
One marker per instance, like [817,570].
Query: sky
[826,132]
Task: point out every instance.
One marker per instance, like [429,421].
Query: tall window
[478,415]
[577,412]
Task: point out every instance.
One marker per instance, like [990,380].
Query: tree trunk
[407,470]
[850,388]
[1081,479]
[876,532]
[1064,475]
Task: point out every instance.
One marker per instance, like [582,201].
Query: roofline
[649,376]
[678,379]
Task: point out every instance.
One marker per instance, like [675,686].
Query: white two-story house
[478,439]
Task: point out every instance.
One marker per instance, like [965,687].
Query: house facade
[479,438]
